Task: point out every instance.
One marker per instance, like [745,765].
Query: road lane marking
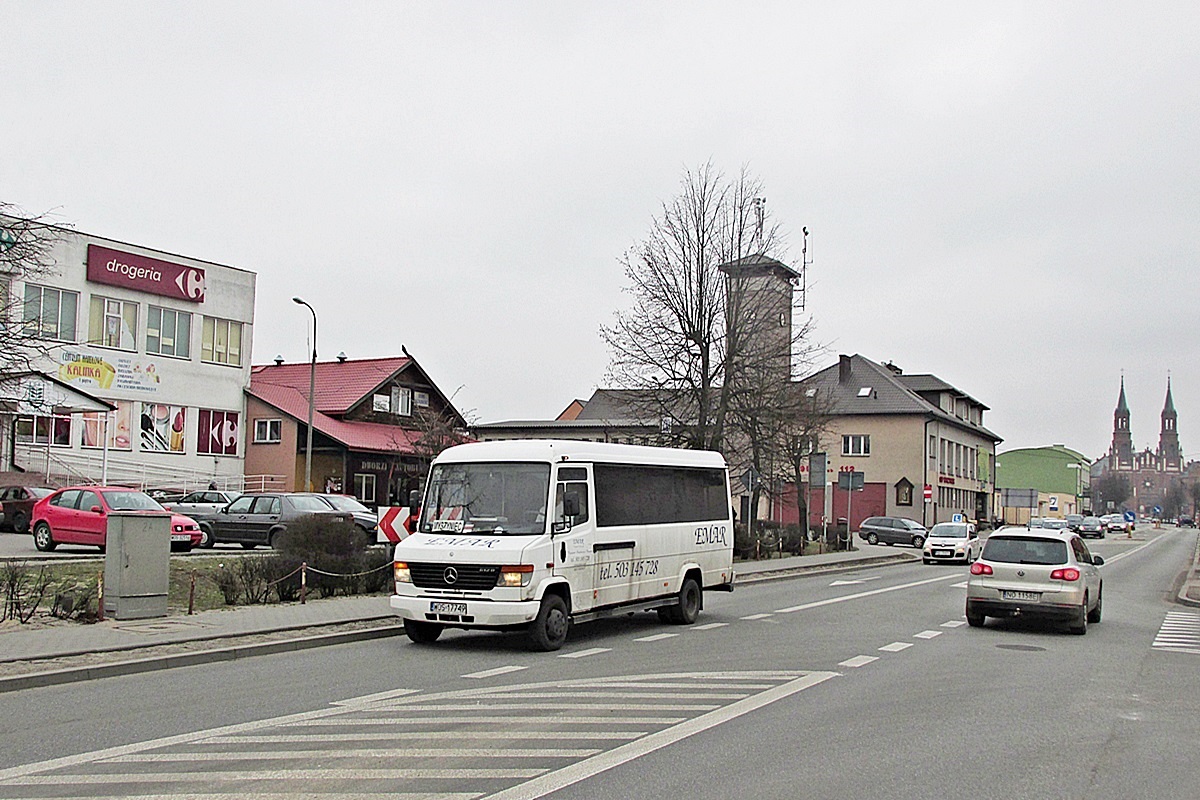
[574,773]
[858,661]
[954,623]
[274,776]
[757,616]
[594,651]
[382,752]
[491,673]
[658,637]
[425,736]
[710,626]
[374,698]
[896,647]
[860,595]
[927,634]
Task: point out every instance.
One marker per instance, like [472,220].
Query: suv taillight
[1068,574]
[979,568]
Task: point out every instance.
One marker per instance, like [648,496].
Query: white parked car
[1036,572]
[952,541]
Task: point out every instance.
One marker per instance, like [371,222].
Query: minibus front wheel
[548,631]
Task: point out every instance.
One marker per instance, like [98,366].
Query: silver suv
[893,530]
[1036,572]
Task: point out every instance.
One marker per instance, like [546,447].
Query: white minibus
[536,534]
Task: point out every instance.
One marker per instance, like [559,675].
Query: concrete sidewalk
[71,652]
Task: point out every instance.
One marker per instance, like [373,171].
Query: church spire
[1168,437]
[1121,454]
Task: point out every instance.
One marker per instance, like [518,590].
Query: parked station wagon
[893,530]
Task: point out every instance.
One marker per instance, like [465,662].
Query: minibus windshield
[494,498]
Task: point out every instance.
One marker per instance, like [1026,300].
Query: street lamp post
[312,385]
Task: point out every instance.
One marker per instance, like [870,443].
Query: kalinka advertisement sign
[145,274]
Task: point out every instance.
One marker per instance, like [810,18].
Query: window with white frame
[50,313]
[168,332]
[401,401]
[856,444]
[221,342]
[43,430]
[268,431]
[364,487]
[113,323]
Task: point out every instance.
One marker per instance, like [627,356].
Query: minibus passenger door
[572,533]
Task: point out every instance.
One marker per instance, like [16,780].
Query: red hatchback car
[79,515]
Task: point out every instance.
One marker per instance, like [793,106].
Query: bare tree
[1112,490]
[688,344]
[26,254]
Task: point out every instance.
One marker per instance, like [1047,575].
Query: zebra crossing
[500,742]
[1179,633]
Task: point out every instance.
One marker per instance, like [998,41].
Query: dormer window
[866,391]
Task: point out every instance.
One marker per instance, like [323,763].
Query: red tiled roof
[339,384]
[371,436]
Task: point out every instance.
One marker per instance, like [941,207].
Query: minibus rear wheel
[686,608]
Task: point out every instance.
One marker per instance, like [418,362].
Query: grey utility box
[137,564]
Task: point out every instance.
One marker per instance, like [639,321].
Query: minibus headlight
[518,575]
[400,570]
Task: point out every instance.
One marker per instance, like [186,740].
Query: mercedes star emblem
[450,575]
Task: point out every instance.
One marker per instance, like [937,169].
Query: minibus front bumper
[459,612]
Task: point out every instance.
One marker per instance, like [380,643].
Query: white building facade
[166,339]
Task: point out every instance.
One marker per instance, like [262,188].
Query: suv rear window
[1024,550]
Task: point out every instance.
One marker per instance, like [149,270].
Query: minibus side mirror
[414,502]
[571,504]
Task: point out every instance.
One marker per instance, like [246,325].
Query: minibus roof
[565,450]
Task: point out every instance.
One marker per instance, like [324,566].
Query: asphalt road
[862,685]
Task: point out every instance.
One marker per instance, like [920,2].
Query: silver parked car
[892,530]
[952,541]
[1036,572]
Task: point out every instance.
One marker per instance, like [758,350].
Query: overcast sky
[1002,194]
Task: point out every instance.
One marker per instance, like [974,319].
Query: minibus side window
[572,483]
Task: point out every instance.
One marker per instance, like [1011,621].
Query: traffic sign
[928,493]
[395,523]
[1130,516]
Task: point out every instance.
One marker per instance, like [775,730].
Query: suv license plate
[942,553]
[448,608]
[1032,597]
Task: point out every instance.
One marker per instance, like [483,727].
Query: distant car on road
[79,515]
[1117,524]
[1036,572]
[255,519]
[893,530]
[16,505]
[952,541]
[1074,521]
[1092,526]
[1185,522]
[207,501]
[364,517]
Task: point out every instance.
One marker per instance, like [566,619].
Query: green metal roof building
[1061,476]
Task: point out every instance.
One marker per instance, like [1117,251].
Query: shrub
[338,549]
[227,581]
[254,574]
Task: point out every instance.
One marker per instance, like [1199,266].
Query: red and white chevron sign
[395,523]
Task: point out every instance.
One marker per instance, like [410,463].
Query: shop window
[268,431]
[221,342]
[856,444]
[113,323]
[168,332]
[364,487]
[44,430]
[161,427]
[50,313]
[119,427]
[217,432]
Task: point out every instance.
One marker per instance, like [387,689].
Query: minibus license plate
[447,608]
